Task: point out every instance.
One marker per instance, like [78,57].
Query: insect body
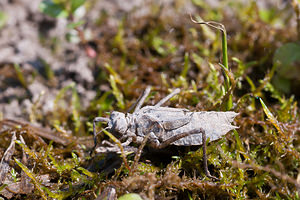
[165,125]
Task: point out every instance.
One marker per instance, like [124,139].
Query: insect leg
[182,135]
[174,138]
[164,100]
[139,152]
[110,147]
[207,173]
[97,119]
[127,135]
[107,143]
[126,143]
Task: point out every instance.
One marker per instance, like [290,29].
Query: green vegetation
[255,74]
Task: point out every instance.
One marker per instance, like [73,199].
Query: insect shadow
[162,126]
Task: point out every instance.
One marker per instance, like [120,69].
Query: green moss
[259,160]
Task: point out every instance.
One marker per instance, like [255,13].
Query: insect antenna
[164,100]
[138,104]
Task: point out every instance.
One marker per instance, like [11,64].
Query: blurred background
[64,61]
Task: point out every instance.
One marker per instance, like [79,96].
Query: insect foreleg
[110,147]
[97,119]
[127,135]
[126,143]
[164,100]
[107,143]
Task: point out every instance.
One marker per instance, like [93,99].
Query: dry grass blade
[212,24]
[26,185]
[272,119]
[278,174]
[4,165]
[32,176]
[42,132]
[221,27]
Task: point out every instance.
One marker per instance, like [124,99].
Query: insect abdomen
[215,125]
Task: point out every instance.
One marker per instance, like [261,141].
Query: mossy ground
[124,50]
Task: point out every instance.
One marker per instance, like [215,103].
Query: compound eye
[118,122]
[113,115]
